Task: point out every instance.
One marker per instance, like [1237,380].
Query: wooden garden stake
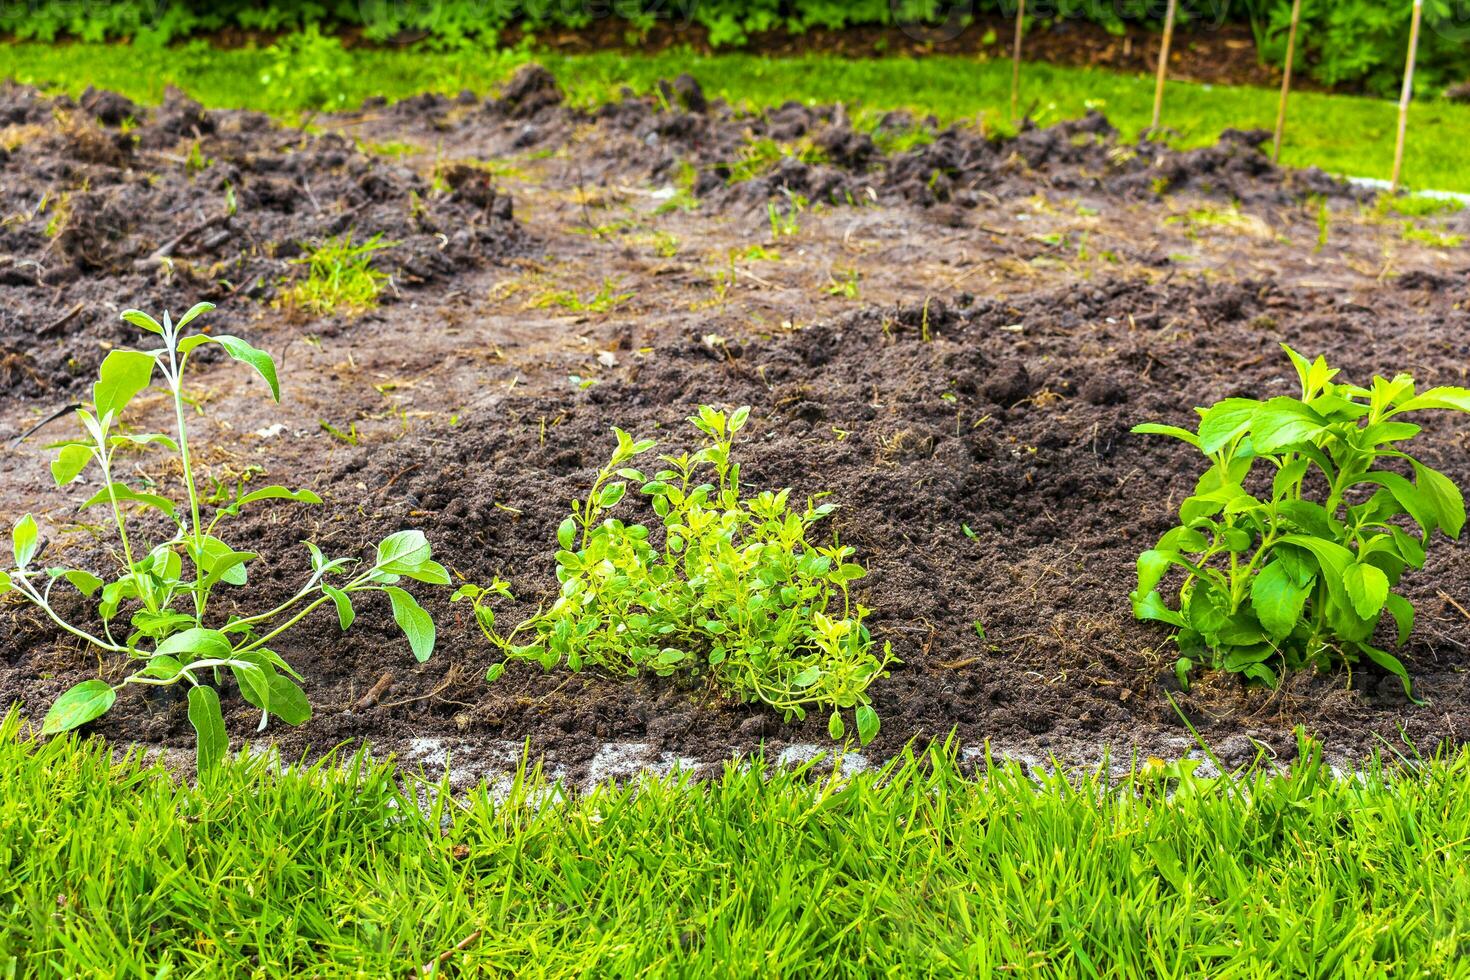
[1016,61]
[1407,96]
[1163,63]
[1296,16]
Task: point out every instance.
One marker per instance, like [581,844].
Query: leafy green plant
[760,156]
[735,588]
[340,276]
[783,224]
[844,283]
[1293,564]
[308,69]
[155,613]
[604,300]
[1431,237]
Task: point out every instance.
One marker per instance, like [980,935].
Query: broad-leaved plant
[156,619]
[1301,527]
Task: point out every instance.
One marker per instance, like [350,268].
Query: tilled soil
[954,340]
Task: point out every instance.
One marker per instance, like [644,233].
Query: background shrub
[1358,44]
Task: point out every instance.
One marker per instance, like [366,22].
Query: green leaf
[405,549]
[1278,599]
[737,422]
[345,613]
[611,494]
[416,624]
[211,742]
[69,463]
[430,571]
[288,701]
[867,723]
[1411,498]
[835,727]
[85,582]
[79,705]
[807,677]
[1155,429]
[123,492]
[1302,365]
[1152,565]
[221,563]
[162,668]
[161,624]
[24,540]
[1308,516]
[6,585]
[1283,422]
[269,691]
[1225,420]
[147,439]
[242,352]
[123,374]
[1151,607]
[1410,548]
[140,319]
[1443,497]
[194,311]
[1208,611]
[254,682]
[1391,664]
[566,534]
[1367,588]
[1455,399]
[1331,557]
[1403,615]
[1182,539]
[196,643]
[1382,432]
[277,493]
[494,673]
[1284,483]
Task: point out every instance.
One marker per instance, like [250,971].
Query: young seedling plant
[1295,536]
[735,588]
[156,610]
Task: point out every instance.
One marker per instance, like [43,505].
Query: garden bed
[951,335]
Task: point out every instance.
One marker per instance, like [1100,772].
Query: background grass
[1342,134]
[119,870]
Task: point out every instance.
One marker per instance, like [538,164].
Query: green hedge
[1354,43]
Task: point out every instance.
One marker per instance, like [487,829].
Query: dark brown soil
[966,399]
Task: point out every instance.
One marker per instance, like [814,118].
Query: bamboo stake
[1407,96]
[1016,61]
[1296,16]
[1163,63]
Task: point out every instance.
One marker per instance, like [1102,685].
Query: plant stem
[262,617]
[185,672]
[176,385]
[24,587]
[145,589]
[351,586]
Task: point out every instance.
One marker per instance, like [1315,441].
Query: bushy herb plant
[155,609]
[732,586]
[1300,529]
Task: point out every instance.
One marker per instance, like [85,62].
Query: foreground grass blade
[341,869]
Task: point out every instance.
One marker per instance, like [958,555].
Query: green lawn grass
[118,869]
[1341,134]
